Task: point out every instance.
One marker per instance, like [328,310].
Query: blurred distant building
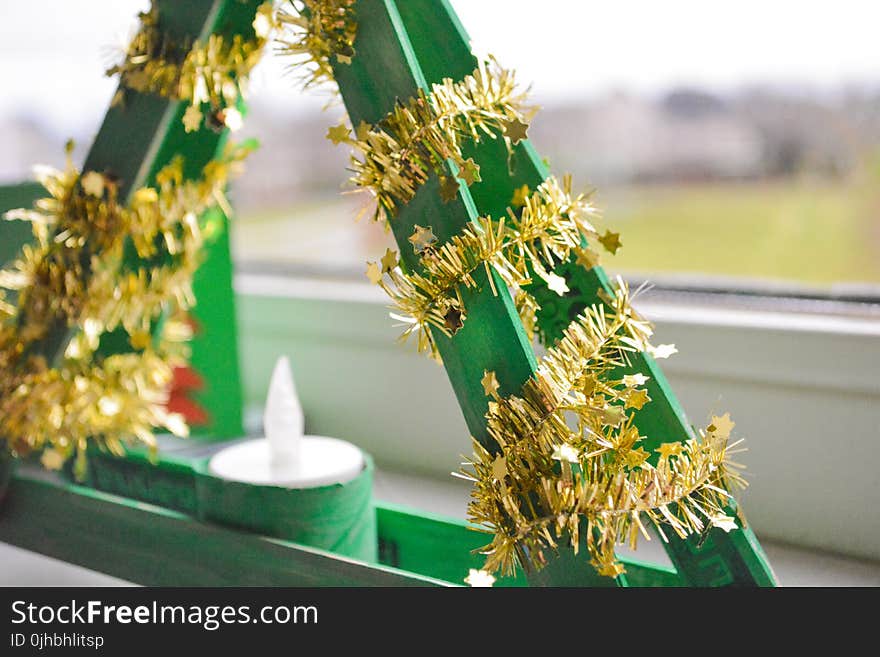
[625,139]
[295,160]
[687,135]
[803,133]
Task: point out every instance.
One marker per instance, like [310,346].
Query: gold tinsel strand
[111,400]
[551,225]
[549,484]
[214,72]
[421,136]
[314,34]
[73,279]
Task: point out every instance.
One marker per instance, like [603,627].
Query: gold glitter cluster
[421,136]
[76,281]
[570,468]
[550,226]
[214,72]
[314,34]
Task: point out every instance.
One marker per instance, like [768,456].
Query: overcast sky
[52,52]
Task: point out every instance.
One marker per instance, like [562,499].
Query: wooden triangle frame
[403,47]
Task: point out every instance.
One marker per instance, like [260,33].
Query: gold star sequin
[499,468]
[93,184]
[453,320]
[389,260]
[565,452]
[635,457]
[721,426]
[611,242]
[362,131]
[635,380]
[374,273]
[557,284]
[338,134]
[448,188]
[490,383]
[637,398]
[192,118]
[727,523]
[52,459]
[663,350]
[613,415]
[587,258]
[669,449]
[264,21]
[516,130]
[232,119]
[520,195]
[479,579]
[588,384]
[470,172]
[422,238]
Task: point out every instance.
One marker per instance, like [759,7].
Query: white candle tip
[283,420]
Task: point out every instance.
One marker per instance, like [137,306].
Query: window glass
[727,143]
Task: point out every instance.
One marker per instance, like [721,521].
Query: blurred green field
[810,232]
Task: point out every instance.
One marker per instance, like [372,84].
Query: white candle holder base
[320,461]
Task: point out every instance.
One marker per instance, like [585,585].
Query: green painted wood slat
[14,234]
[384,70]
[155,546]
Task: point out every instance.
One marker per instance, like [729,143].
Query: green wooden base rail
[156,546]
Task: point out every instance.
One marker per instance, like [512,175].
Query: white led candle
[285,457]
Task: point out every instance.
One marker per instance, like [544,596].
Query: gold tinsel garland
[74,278]
[111,400]
[314,34]
[423,135]
[214,72]
[592,485]
[550,226]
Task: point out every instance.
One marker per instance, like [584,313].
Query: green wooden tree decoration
[401,49]
[384,61]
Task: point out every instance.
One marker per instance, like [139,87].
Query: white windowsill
[802,388]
